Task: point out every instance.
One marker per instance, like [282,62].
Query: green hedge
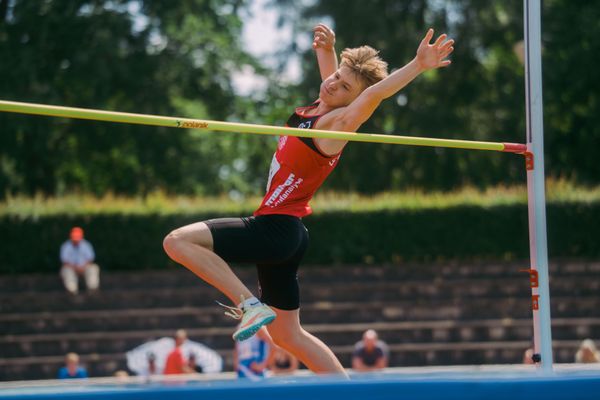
[464,232]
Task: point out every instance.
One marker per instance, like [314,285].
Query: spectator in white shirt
[77,256]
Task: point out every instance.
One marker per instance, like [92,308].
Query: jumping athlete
[274,238]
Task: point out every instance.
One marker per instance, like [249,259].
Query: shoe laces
[233,312]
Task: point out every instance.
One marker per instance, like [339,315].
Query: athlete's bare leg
[287,333]
[192,246]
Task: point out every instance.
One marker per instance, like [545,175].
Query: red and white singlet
[297,170]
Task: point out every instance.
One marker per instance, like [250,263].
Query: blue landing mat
[491,385]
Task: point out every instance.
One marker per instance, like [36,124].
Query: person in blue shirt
[72,369]
[252,356]
[77,258]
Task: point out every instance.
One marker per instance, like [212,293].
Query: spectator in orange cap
[77,257]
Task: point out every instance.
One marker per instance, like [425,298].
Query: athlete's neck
[321,108]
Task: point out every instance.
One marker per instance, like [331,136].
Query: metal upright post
[540,289]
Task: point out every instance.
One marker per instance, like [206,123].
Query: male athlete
[274,238]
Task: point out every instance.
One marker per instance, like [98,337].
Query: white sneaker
[252,319]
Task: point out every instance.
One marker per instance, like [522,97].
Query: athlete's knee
[172,241]
[197,234]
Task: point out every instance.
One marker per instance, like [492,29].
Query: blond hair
[365,62]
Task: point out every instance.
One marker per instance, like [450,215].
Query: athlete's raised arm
[324,46]
[429,56]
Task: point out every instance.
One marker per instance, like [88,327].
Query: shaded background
[450,269]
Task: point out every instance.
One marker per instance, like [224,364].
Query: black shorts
[275,243]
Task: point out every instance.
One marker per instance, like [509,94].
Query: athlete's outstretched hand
[324,37]
[431,56]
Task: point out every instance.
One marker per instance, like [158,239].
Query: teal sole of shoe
[248,333]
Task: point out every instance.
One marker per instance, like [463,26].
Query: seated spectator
[72,369]
[587,352]
[121,375]
[193,363]
[151,357]
[202,359]
[252,356]
[176,362]
[370,354]
[283,362]
[528,356]
[77,257]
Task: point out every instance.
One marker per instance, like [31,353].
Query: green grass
[557,191]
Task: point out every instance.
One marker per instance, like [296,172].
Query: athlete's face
[341,88]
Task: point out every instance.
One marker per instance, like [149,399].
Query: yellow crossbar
[175,122]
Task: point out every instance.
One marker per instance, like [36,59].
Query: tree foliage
[178,58]
[156,57]
[479,97]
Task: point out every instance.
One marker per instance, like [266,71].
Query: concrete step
[332,334]
[180,277]
[201,294]
[311,313]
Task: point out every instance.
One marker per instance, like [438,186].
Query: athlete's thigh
[278,284]
[197,233]
[240,240]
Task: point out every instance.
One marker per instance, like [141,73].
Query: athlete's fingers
[325,36]
[440,40]
[446,44]
[446,52]
[323,27]
[427,37]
